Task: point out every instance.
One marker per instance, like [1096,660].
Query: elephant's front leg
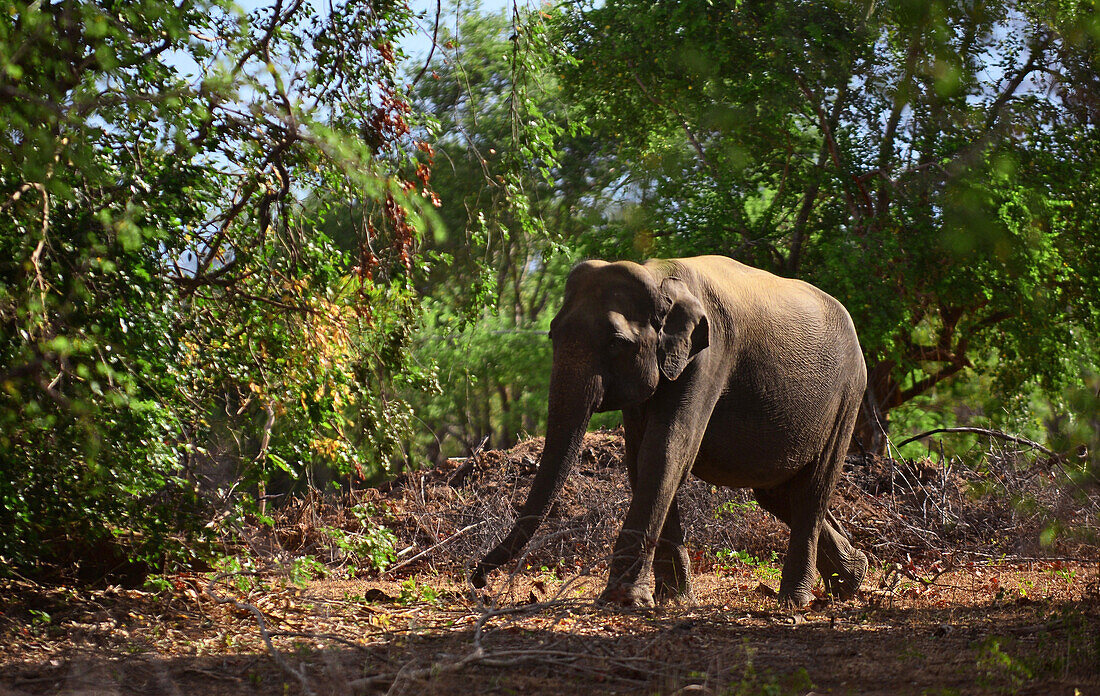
[639,591]
[652,525]
[630,582]
[672,565]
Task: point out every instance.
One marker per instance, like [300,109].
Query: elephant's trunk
[573,399]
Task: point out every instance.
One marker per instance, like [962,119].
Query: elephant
[743,378]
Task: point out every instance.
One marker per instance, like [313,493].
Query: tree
[515,180]
[930,164]
[135,133]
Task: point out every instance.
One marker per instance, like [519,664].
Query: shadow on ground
[577,648]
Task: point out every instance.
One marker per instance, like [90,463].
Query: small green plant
[1025,588]
[240,571]
[413,592]
[158,584]
[303,569]
[728,559]
[731,507]
[1061,570]
[39,618]
[374,547]
[995,665]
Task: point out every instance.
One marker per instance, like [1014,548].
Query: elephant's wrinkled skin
[736,375]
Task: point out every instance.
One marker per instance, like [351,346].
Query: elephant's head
[620,331]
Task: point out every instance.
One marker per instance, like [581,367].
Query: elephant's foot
[672,577]
[678,597]
[844,582]
[627,596]
[797,583]
[794,599]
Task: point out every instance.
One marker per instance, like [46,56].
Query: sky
[418,45]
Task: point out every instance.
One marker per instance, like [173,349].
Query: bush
[129,380]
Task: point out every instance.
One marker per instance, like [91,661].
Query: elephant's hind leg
[792,504]
[842,566]
[806,512]
[672,565]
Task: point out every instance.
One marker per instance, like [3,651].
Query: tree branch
[264,633]
[798,236]
[830,141]
[683,122]
[932,380]
[435,40]
[886,148]
[967,155]
[981,431]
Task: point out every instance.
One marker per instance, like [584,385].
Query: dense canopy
[243,254]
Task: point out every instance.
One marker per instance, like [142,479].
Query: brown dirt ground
[961,600]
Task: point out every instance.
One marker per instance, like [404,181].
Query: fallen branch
[323,636]
[909,570]
[502,658]
[981,431]
[264,633]
[433,547]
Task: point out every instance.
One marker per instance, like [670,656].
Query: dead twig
[433,547]
[891,578]
[264,633]
[982,431]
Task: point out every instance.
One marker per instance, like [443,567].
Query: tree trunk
[872,431]
[507,438]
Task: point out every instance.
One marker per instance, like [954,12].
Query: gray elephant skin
[740,377]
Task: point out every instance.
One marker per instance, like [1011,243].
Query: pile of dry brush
[1000,503]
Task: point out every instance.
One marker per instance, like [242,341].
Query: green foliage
[494,376]
[933,167]
[1075,429]
[995,665]
[373,545]
[518,183]
[765,568]
[302,569]
[413,592]
[132,385]
[734,507]
[1005,664]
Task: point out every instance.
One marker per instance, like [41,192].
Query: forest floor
[962,598]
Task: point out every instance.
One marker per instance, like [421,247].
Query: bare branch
[434,547]
[262,624]
[981,431]
[435,40]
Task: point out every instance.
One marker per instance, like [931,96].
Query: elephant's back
[794,364]
[776,333]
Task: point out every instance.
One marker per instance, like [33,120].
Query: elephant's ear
[684,328]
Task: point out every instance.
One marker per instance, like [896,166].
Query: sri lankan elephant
[738,376]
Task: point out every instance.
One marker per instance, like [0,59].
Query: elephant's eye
[620,344]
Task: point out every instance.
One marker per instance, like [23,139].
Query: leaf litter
[963,596]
